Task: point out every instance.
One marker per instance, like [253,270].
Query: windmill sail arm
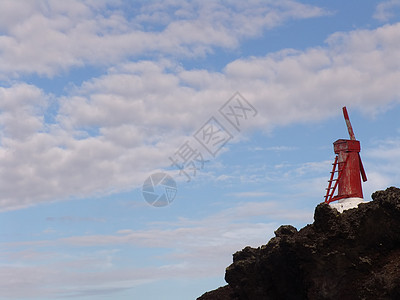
[362,171]
[348,124]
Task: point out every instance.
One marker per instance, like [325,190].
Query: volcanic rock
[349,255]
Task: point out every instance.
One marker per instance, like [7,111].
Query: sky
[227,108]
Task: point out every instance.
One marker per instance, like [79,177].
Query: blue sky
[95,96]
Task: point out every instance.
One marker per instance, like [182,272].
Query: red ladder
[330,190]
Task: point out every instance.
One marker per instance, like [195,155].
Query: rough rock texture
[222,293]
[353,255]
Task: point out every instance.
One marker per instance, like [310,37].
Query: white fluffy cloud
[139,111]
[46,37]
[112,130]
[360,68]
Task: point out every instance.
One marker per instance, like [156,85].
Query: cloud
[110,132]
[274,148]
[193,248]
[250,194]
[355,68]
[22,109]
[382,165]
[74,219]
[386,10]
[100,33]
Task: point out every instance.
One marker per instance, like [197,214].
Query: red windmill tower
[347,172]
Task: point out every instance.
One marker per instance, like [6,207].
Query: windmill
[347,172]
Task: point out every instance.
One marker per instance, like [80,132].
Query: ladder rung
[332,187]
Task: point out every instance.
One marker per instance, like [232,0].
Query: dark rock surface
[353,255]
[222,293]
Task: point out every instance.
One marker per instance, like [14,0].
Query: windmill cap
[346,145]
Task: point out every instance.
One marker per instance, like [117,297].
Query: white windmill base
[346,203]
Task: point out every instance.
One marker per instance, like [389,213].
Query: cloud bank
[112,130]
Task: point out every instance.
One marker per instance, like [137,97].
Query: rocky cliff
[352,255]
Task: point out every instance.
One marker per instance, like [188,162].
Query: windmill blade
[349,127]
[362,171]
